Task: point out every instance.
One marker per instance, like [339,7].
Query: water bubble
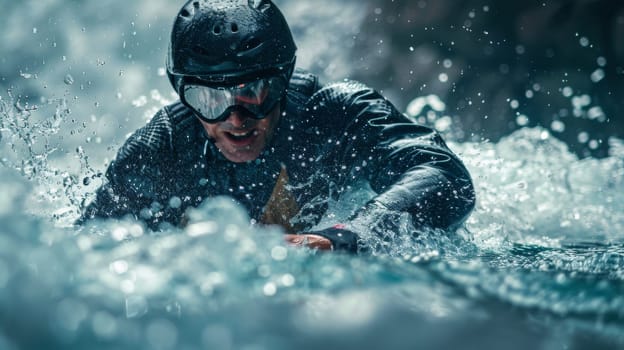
[583,137]
[279,253]
[136,306]
[288,280]
[581,101]
[264,270]
[593,144]
[269,289]
[175,202]
[443,77]
[596,113]
[601,61]
[140,101]
[69,80]
[443,124]
[584,41]
[597,75]
[119,267]
[557,126]
[522,120]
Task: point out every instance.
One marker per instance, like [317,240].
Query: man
[250,126]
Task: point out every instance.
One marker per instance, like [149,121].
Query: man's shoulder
[159,133]
[307,86]
[178,115]
[343,91]
[302,85]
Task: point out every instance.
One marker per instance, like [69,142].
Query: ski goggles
[214,104]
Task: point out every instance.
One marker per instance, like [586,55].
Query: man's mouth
[240,137]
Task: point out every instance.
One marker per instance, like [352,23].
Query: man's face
[240,137]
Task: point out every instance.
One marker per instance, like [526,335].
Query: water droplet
[34,30]
[69,80]
[288,280]
[175,202]
[583,137]
[522,120]
[270,289]
[584,41]
[601,61]
[597,75]
[557,126]
[279,253]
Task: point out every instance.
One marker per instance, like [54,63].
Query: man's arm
[409,167]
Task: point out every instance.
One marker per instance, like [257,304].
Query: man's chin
[242,155]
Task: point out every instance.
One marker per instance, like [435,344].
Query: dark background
[497,51]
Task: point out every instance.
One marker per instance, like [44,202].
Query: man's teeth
[242,134]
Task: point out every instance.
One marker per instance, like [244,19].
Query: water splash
[31,135]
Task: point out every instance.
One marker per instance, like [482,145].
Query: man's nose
[238,119]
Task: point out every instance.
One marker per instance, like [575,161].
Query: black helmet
[229,41]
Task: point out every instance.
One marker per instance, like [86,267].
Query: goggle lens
[214,104]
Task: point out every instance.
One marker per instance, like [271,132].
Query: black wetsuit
[328,137]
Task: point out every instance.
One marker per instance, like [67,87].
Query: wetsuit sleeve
[419,182]
[135,182]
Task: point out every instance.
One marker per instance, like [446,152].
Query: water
[539,264]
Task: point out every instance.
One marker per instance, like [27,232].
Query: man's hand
[308,240]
